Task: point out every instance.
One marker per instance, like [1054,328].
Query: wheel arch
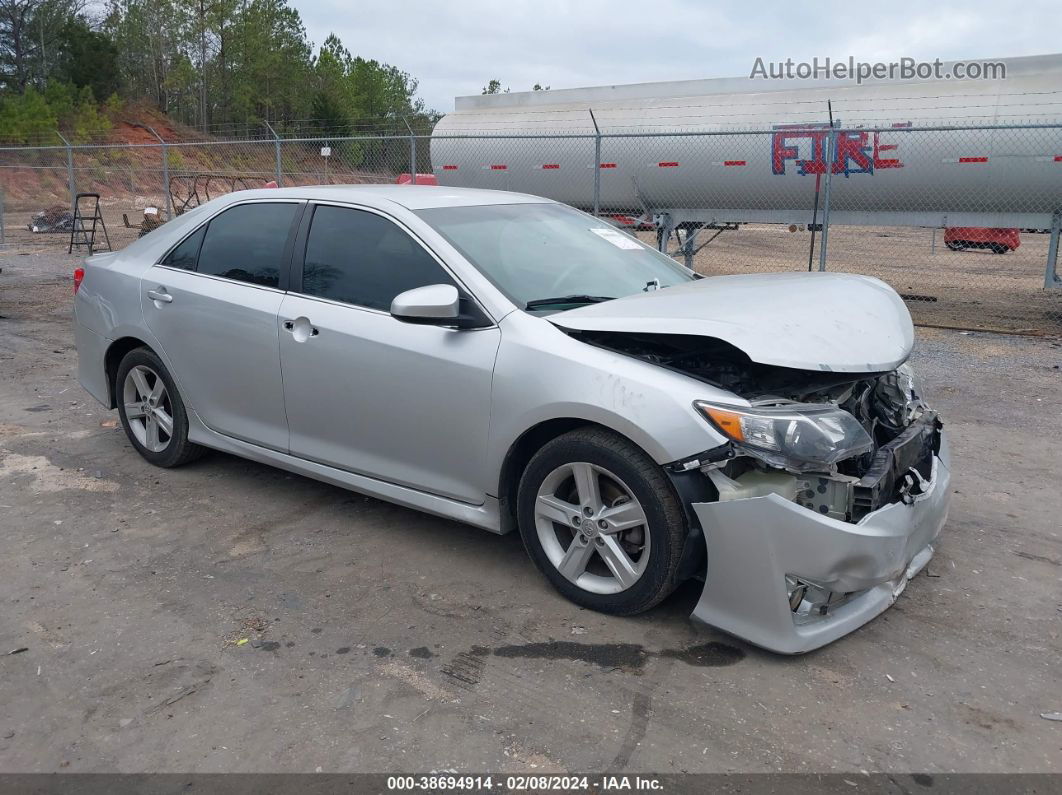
[117,351]
[524,448]
[690,486]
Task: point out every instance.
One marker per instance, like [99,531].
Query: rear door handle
[160,295]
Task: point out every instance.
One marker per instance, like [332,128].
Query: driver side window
[361,258]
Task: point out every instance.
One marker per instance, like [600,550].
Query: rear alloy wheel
[148,410]
[602,522]
[152,411]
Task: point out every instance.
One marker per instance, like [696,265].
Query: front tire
[152,412]
[602,522]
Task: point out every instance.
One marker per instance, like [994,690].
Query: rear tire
[152,412]
[602,522]
[999,248]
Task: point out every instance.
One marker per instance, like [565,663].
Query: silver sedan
[513,363]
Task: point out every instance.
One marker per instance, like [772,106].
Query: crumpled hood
[809,321]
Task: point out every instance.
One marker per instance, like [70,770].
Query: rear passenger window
[185,254]
[361,258]
[246,243]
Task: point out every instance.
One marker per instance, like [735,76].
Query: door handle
[160,295]
[300,329]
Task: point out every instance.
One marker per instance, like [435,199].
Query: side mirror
[433,304]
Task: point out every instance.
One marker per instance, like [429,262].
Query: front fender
[542,374]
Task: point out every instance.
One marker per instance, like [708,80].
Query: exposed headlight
[799,437]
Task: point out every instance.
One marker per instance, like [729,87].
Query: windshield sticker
[616,238]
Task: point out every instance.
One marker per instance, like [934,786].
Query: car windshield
[550,257]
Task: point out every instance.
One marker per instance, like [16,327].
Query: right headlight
[799,437]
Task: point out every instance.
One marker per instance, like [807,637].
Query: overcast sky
[453,47]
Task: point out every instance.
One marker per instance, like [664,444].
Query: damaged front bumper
[758,547]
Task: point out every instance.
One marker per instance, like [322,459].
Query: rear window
[185,255]
[246,243]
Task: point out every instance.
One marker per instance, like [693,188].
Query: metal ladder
[79,235]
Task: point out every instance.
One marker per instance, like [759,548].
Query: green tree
[87,58]
[26,118]
[29,39]
[198,61]
[269,62]
[151,39]
[87,122]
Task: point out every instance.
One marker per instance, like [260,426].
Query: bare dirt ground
[227,616]
[973,289]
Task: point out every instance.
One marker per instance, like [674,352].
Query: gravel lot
[381,639]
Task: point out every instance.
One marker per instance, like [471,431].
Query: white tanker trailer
[711,152]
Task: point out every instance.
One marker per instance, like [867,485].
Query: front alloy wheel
[601,520]
[592,528]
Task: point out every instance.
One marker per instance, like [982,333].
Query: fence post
[165,173]
[1051,278]
[276,145]
[69,171]
[412,153]
[597,164]
[831,154]
[413,159]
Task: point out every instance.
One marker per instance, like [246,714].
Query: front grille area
[912,449]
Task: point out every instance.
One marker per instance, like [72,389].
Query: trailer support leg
[664,227]
[689,246]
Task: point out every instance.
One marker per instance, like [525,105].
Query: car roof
[412,197]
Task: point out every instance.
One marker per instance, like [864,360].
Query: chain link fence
[961,221]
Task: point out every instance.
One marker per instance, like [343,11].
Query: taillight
[79,276]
